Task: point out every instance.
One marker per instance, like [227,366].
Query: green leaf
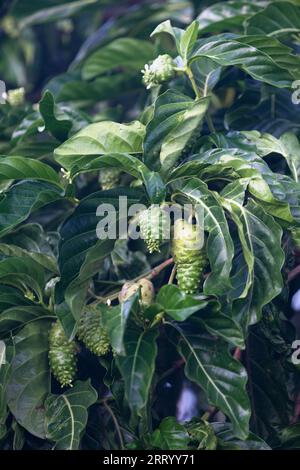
[137,367]
[290,437]
[21,199]
[127,53]
[67,414]
[219,242]
[228,441]
[99,139]
[29,382]
[167,28]
[81,252]
[129,164]
[258,278]
[181,306]
[219,324]
[60,120]
[222,378]
[20,168]
[23,273]
[176,140]
[19,315]
[116,319]
[170,435]
[265,59]
[287,145]
[226,16]
[276,19]
[175,118]
[188,40]
[55,12]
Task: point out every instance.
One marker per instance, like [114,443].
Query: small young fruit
[130,288]
[154,226]
[62,355]
[188,255]
[159,71]
[92,333]
[109,178]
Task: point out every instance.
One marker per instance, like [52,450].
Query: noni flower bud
[109,178]
[16,97]
[159,71]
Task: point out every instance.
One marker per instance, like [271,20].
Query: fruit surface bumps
[62,355]
[92,332]
[159,71]
[130,288]
[190,259]
[154,226]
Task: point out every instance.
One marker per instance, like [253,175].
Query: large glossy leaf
[170,435]
[67,414]
[21,199]
[23,273]
[181,306]
[175,118]
[268,387]
[278,18]
[59,120]
[228,441]
[29,382]
[81,253]
[226,16]
[287,145]
[99,139]
[41,14]
[223,379]
[127,163]
[257,276]
[219,242]
[127,53]
[265,59]
[137,367]
[116,320]
[20,168]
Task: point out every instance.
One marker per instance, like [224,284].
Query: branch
[294,273]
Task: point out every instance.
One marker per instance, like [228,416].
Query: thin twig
[150,275]
[118,429]
[172,275]
[294,273]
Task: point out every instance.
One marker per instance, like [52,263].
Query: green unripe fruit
[295,233]
[92,332]
[62,355]
[190,259]
[109,178]
[154,226]
[130,288]
[161,70]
